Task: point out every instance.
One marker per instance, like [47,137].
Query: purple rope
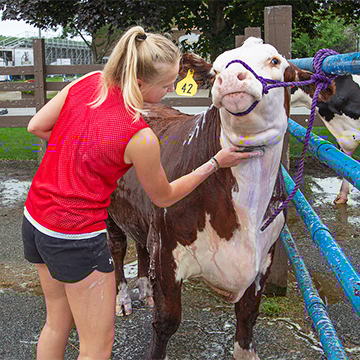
[322,81]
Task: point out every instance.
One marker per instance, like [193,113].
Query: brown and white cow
[214,233]
[341,116]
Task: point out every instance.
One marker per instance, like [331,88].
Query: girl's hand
[230,157]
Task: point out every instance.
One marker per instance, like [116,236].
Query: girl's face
[153,93]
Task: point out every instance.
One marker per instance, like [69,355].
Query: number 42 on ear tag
[187,86]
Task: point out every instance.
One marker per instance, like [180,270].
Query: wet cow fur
[213,233]
[340,115]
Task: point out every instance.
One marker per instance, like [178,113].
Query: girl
[95,133]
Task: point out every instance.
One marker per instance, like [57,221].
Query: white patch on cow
[165,212]
[123,300]
[225,265]
[242,354]
[346,131]
[228,266]
[131,270]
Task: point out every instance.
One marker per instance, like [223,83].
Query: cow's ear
[204,75]
[293,73]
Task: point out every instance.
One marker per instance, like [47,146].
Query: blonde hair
[134,57]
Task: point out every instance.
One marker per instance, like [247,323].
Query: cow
[213,233]
[340,114]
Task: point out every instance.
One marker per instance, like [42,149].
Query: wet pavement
[283,329]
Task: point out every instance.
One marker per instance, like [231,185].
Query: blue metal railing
[345,273]
[314,305]
[343,270]
[327,153]
[334,64]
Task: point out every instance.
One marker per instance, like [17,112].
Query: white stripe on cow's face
[236,89]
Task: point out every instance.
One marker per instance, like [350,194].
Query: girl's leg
[59,320]
[92,302]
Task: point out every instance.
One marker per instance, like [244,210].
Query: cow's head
[235,89]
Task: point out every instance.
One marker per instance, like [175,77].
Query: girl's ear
[139,82]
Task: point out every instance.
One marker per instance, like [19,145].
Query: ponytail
[133,58]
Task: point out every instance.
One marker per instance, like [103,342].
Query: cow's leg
[143,282]
[167,317]
[167,299]
[118,243]
[247,311]
[342,197]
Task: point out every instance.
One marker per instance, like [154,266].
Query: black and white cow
[215,232]
[340,115]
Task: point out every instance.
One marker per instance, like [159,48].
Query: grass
[292,305]
[18,144]
[323,132]
[48,79]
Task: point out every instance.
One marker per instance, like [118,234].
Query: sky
[19,28]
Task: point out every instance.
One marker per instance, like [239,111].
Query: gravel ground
[208,323]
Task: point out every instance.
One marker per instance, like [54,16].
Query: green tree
[102,20]
[331,34]
[218,20]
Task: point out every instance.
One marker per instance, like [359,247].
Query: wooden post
[40,85]
[277,32]
[239,39]
[253,31]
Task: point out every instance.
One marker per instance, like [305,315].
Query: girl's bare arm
[143,151]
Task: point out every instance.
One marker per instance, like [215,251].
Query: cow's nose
[240,75]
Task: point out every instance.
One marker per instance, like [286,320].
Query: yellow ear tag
[187,86]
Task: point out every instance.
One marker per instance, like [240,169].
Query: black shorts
[67,260]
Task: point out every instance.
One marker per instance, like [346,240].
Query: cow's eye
[275,61]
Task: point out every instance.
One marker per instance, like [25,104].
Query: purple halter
[322,80]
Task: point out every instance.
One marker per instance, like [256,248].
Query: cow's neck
[257,177]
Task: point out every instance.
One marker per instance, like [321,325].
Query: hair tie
[142,37]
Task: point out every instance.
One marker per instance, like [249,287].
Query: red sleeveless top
[84,159]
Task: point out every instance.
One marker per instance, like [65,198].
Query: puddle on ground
[13,191]
[320,191]
[20,277]
[328,288]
